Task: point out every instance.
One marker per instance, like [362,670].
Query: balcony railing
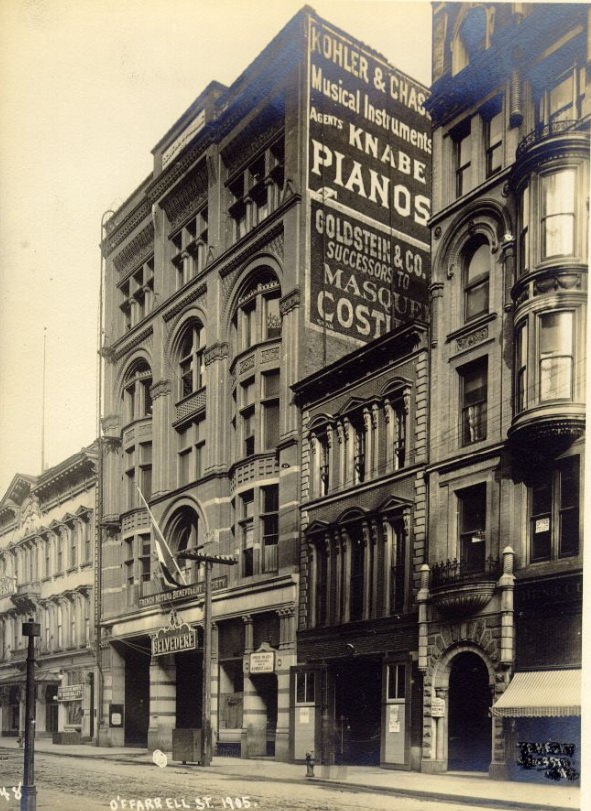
[544,131]
[455,571]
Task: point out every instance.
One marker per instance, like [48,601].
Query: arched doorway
[469,723]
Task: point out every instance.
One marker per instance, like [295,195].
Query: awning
[541,694]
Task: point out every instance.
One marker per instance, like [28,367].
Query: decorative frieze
[290,301]
[184,302]
[136,252]
[189,198]
[473,338]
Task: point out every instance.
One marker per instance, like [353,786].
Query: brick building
[47,552]
[500,607]
[357,689]
[284,224]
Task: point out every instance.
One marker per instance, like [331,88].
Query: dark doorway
[51,708]
[137,696]
[266,687]
[469,724]
[358,694]
[189,698]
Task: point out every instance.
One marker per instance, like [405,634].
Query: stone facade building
[260,249]
[500,604]
[357,689]
[47,554]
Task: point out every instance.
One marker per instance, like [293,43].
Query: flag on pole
[168,564]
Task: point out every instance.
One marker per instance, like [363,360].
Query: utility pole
[208,560]
[29,791]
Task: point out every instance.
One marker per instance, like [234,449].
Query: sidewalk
[472,789]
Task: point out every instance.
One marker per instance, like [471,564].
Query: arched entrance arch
[464,680]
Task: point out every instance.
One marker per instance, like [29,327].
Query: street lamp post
[208,560]
[29,792]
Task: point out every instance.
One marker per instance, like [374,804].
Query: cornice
[117,233]
[121,349]
[264,239]
[290,301]
[177,169]
[140,247]
[191,195]
[180,304]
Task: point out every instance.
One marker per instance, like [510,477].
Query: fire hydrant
[310,762]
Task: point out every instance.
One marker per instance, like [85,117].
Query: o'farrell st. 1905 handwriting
[16,791]
[228,803]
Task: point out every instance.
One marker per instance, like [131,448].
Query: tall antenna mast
[43,403]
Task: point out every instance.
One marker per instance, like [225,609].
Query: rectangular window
[60,552]
[473,384]
[463,159]
[74,546]
[248,430]
[272,317]
[86,532]
[270,527]
[524,233]
[398,573]
[146,469]
[554,511]
[396,682]
[191,453]
[521,349]
[128,562]
[357,578]
[558,213]
[494,129]
[472,526]
[247,529]
[305,687]
[556,355]
[146,552]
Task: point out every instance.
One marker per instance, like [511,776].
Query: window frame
[189,246]
[477,366]
[473,498]
[557,355]
[552,481]
[481,280]
[191,359]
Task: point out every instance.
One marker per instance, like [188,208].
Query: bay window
[556,355]
[558,213]
[521,349]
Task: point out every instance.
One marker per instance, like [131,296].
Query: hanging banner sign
[174,640]
[369,172]
[70,692]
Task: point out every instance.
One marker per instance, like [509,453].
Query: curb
[461,799]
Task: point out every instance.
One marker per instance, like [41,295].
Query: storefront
[541,714]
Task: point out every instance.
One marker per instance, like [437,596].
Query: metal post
[208,560]
[206,701]
[29,792]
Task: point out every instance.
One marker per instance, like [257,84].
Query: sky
[87,88]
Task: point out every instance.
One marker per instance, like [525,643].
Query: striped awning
[541,694]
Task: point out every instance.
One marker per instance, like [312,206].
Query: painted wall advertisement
[369,178]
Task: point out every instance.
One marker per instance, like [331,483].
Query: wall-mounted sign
[262,661]
[174,638]
[437,707]
[70,692]
[185,593]
[369,176]
[116,712]
[183,139]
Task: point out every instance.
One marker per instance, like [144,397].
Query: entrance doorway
[137,696]
[189,690]
[469,724]
[357,719]
[51,708]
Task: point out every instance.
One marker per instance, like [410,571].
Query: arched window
[183,532]
[136,396]
[190,359]
[477,265]
[257,317]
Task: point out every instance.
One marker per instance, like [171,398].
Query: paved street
[75,784]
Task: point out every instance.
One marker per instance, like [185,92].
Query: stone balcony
[460,590]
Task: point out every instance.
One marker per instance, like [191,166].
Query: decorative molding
[137,339]
[216,352]
[264,240]
[160,389]
[270,354]
[246,364]
[175,170]
[188,198]
[252,140]
[136,252]
[474,338]
[183,302]
[290,301]
[118,232]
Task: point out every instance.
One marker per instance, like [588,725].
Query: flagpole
[162,538]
